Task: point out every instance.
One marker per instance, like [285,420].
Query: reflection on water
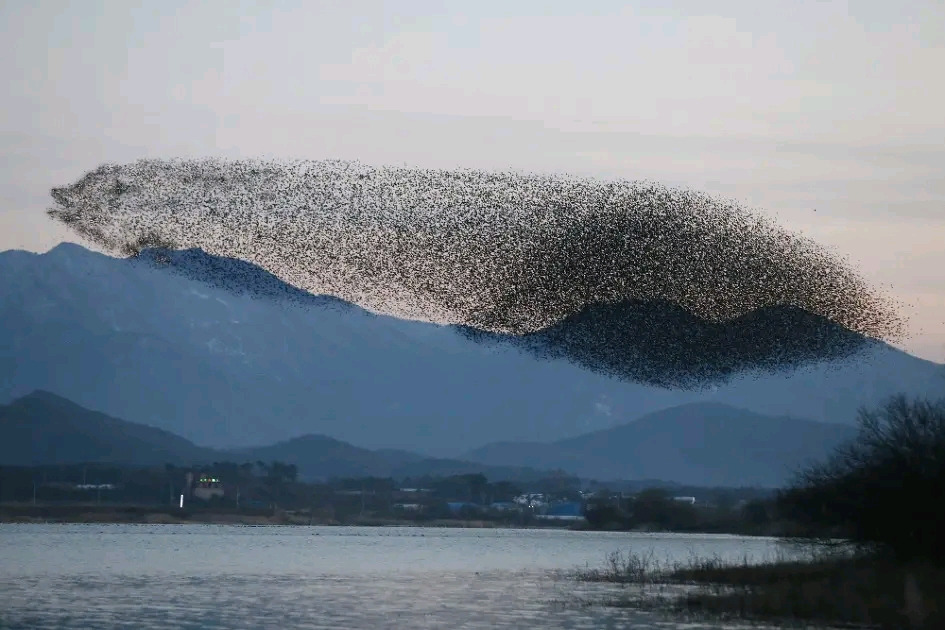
[203,576]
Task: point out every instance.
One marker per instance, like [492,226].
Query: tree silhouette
[883,490]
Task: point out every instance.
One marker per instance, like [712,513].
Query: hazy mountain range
[42,428]
[222,353]
[703,444]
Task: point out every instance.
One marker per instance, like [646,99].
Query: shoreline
[154,515]
[831,590]
[92,514]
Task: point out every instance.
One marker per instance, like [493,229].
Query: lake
[225,576]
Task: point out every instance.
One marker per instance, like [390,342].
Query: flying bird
[635,279]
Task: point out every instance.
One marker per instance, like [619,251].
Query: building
[206,487]
[568,511]
[531,500]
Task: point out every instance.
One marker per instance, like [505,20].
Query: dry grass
[834,590]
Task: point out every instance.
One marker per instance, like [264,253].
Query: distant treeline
[656,509]
[275,486]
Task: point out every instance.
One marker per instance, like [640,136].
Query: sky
[826,116]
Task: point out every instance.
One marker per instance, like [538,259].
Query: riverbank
[159,515]
[867,591]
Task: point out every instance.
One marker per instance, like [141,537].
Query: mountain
[43,428]
[703,444]
[222,353]
[318,456]
[656,342]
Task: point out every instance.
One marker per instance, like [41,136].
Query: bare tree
[886,488]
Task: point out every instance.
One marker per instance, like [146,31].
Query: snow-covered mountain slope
[225,355]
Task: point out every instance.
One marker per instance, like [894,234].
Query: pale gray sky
[789,107]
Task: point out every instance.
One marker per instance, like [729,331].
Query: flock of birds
[645,282]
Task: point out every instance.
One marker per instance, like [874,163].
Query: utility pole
[34,492]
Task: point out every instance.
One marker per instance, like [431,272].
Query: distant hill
[222,353]
[318,456]
[43,428]
[703,444]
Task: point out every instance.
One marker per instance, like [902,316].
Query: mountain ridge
[694,444]
[39,427]
[43,428]
[130,338]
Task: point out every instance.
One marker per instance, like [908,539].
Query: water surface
[224,576]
